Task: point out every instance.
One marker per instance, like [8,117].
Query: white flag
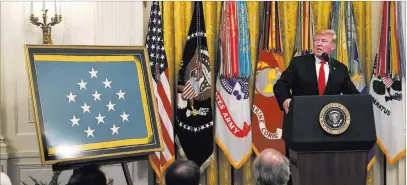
[233,123]
[388,108]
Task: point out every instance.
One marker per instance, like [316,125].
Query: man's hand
[286,105]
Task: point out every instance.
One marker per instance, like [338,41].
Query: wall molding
[24,154]
[3,154]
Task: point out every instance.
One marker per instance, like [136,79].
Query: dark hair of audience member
[182,172]
[88,175]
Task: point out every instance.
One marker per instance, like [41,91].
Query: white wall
[84,23]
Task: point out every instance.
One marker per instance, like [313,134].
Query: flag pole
[224,170]
[247,172]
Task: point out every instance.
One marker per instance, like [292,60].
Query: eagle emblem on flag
[194,119]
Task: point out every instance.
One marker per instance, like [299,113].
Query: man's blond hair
[327,32]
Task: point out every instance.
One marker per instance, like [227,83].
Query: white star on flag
[100,118]
[115,129]
[96,96]
[90,132]
[75,121]
[71,97]
[85,108]
[82,85]
[93,73]
[107,83]
[124,117]
[110,106]
[121,94]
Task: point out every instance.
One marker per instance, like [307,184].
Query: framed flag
[92,102]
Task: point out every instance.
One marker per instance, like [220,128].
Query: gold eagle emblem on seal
[334,118]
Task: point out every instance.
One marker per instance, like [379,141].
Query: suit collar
[313,72]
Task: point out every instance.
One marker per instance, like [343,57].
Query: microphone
[325,56]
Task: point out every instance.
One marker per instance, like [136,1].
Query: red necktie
[321,78]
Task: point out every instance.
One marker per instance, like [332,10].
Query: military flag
[386,85]
[267,117]
[233,123]
[305,29]
[194,119]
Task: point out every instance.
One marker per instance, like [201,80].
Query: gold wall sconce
[45,25]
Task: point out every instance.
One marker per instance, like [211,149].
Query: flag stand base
[122,160]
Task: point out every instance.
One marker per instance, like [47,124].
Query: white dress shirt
[326,68]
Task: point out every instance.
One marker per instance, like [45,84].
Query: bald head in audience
[182,172]
[271,168]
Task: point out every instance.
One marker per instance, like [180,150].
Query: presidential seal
[334,118]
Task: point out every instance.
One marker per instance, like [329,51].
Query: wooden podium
[329,138]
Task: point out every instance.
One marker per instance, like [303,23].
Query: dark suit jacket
[301,78]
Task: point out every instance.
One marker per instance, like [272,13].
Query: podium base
[333,168]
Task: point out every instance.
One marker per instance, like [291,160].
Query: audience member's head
[4,179]
[182,172]
[86,175]
[271,168]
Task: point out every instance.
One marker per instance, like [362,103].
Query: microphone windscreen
[325,56]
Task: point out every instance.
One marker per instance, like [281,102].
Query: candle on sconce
[55,3]
[31,8]
[59,3]
[43,5]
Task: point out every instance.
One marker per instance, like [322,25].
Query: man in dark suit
[311,74]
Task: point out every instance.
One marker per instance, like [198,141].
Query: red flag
[267,119]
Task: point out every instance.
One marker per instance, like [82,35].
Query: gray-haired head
[271,168]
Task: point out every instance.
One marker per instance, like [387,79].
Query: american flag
[387,81]
[159,68]
[189,92]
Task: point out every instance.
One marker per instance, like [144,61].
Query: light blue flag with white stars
[92,102]
[97,103]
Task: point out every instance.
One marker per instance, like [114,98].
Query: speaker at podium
[329,138]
